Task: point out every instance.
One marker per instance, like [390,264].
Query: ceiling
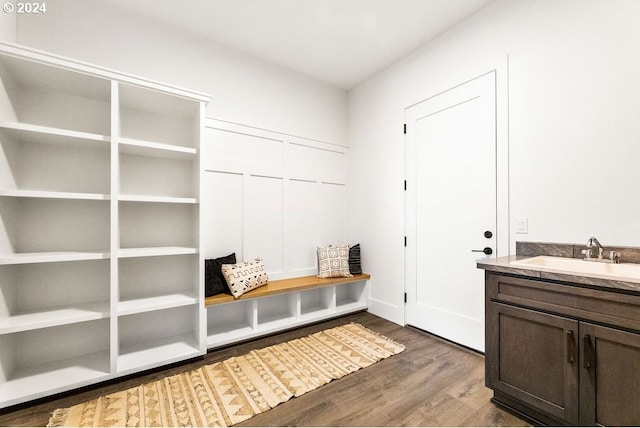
[342,42]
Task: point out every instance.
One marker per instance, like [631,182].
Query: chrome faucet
[592,244]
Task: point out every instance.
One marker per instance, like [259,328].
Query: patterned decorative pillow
[245,276]
[214,282]
[354,260]
[333,261]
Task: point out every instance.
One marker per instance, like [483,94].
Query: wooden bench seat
[288,285]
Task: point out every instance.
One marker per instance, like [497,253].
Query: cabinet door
[532,357]
[610,376]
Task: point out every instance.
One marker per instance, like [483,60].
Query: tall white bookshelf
[100,266]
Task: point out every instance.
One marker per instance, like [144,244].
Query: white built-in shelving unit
[100,266]
[245,319]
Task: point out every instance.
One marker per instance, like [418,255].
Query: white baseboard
[393,313]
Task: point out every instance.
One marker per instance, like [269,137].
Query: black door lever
[487,250]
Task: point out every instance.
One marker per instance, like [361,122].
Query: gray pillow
[354,260]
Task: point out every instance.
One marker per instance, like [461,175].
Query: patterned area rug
[234,390]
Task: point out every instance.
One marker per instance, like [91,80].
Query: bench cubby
[317,302]
[350,295]
[277,310]
[230,322]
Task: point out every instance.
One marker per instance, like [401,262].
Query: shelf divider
[141,147]
[53,256]
[33,382]
[154,303]
[155,251]
[47,130]
[159,199]
[51,317]
[150,354]
[44,194]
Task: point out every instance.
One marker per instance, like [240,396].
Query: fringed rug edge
[399,345]
[58,418]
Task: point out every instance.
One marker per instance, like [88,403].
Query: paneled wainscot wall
[271,195]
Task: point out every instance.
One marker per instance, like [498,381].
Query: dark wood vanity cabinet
[563,354]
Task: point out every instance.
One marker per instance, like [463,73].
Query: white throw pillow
[245,276]
[333,261]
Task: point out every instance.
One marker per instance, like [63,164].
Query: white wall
[569,118]
[8,26]
[243,89]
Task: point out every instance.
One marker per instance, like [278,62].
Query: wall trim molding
[226,124]
[271,195]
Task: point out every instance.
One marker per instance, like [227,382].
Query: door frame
[503,242]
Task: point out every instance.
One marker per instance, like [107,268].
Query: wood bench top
[288,285]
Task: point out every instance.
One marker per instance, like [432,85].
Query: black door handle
[588,352]
[487,250]
[571,347]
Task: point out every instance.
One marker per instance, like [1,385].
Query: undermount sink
[579,266]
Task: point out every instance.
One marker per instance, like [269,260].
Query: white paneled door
[451,209]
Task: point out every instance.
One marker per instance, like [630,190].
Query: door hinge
[405,128]
[405,297]
[405,241]
[405,184]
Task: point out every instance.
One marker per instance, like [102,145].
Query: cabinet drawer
[601,306]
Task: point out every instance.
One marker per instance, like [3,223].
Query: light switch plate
[522,225]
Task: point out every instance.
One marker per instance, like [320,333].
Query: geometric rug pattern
[234,390]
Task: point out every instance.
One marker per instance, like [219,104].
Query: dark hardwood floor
[431,383]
